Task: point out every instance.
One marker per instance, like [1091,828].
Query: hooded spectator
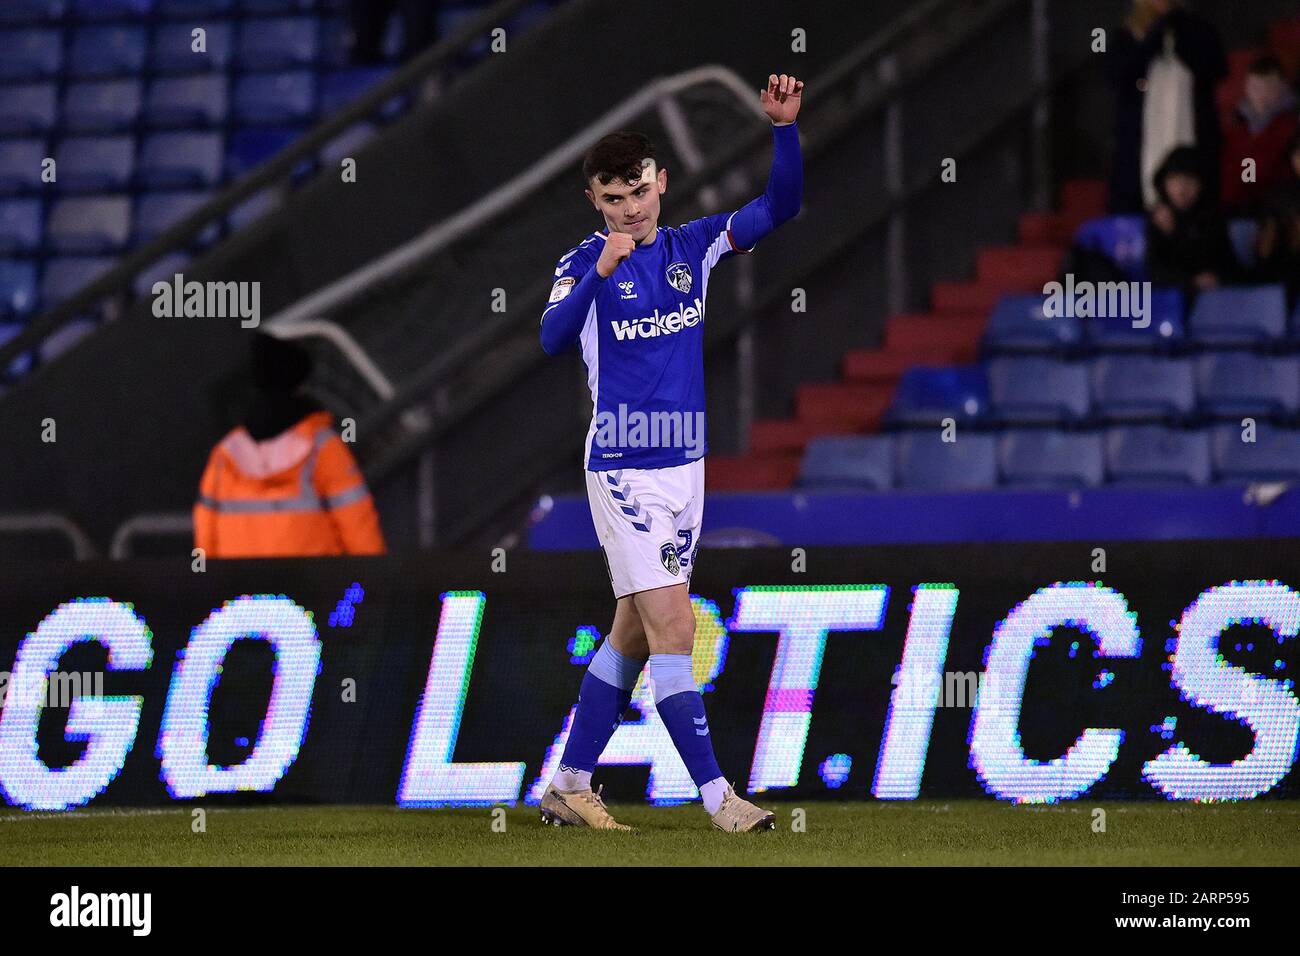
[283,483]
[1187,241]
[1260,127]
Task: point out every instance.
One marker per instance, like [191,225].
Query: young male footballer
[632,294]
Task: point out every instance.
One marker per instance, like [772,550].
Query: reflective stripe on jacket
[297,494]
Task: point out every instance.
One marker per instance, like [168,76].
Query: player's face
[632,208]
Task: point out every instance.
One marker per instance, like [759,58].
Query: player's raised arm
[781,200]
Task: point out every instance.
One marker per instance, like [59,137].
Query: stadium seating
[198,101]
[1049,458]
[107,51]
[1152,454]
[1165,330]
[1121,239]
[95,163]
[1139,388]
[926,396]
[110,106]
[849,461]
[1239,316]
[1233,384]
[97,225]
[17,288]
[1273,455]
[28,108]
[1038,391]
[1018,324]
[928,463]
[20,226]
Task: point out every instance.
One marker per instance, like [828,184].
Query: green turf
[966,833]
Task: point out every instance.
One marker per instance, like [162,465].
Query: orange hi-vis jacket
[297,494]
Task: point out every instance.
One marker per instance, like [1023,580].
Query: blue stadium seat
[1141,387]
[1037,391]
[1243,233]
[1050,458]
[172,50]
[277,42]
[863,462]
[33,108]
[20,165]
[17,288]
[926,396]
[95,163]
[157,212]
[107,51]
[1274,455]
[335,42]
[101,107]
[271,98]
[31,11]
[1165,328]
[249,147]
[188,101]
[1239,316]
[1019,325]
[33,54]
[91,225]
[1121,239]
[194,8]
[180,160]
[1153,454]
[927,463]
[20,226]
[64,277]
[111,9]
[338,88]
[1232,384]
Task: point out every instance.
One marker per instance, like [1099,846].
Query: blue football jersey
[643,343]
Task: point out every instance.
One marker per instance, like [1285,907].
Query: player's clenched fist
[618,246]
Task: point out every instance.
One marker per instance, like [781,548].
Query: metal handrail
[303,317]
[149,522]
[119,278]
[37,521]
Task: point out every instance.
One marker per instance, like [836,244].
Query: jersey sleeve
[574,286]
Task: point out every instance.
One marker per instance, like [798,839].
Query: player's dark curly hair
[617,156]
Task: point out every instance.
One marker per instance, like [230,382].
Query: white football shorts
[648,522]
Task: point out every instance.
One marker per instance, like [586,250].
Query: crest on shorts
[668,558]
[679,276]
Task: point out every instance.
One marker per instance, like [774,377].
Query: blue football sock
[681,708]
[603,699]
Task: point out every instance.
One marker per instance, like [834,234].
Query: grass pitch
[958,833]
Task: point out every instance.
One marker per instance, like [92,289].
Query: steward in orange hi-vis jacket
[283,483]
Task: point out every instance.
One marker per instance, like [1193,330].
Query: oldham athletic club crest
[679,276]
[668,557]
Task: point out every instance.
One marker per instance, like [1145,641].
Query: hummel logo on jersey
[679,276]
[659,324]
[627,286]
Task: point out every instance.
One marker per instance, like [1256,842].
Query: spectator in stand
[1260,127]
[1164,63]
[283,483]
[1278,242]
[1187,240]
